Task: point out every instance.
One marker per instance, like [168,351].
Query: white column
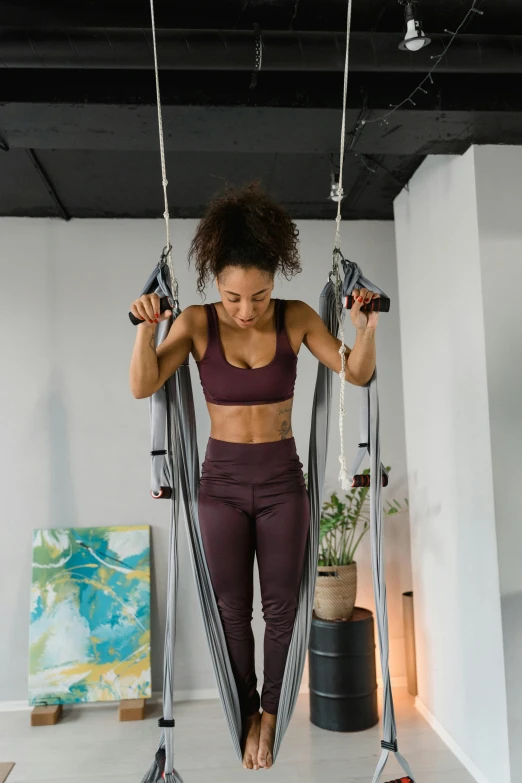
[459,244]
[498,175]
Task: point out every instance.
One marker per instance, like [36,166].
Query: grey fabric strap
[173,428]
[371,404]
[354,278]
[317,451]
[370,442]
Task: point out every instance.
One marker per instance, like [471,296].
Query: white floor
[90,745]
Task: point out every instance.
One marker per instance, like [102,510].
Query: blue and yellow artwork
[90,615]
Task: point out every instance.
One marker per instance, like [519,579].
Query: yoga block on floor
[5,769]
[132,709]
[46,716]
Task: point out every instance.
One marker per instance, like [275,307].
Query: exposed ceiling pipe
[234,50]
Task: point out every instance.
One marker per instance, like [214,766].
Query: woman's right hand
[147,308]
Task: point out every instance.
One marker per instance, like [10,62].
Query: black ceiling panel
[83,141]
[22,190]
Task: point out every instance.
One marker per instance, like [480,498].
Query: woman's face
[245,294]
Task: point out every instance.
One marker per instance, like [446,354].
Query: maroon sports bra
[225,384]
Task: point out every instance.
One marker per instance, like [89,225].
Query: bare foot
[266,740]
[251,727]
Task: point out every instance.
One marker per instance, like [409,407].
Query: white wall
[498,172]
[74,449]
[456,372]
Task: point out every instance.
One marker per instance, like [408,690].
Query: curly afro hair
[244,227]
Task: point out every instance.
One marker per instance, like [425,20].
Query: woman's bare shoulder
[195,314]
[299,312]
[195,309]
[299,317]
[192,324]
[189,323]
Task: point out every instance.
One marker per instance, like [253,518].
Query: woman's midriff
[251,423]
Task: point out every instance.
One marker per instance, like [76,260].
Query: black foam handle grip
[363,480]
[379,305]
[164,305]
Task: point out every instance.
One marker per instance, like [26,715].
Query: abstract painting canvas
[90,615]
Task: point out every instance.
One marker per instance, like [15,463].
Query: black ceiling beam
[468,92]
[130,48]
[250,129]
[49,186]
[386,15]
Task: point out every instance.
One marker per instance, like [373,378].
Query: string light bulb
[414,38]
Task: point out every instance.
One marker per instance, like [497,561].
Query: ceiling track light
[334,189]
[414,38]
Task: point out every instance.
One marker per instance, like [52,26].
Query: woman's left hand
[363,321]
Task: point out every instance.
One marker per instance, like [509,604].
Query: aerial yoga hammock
[175,476]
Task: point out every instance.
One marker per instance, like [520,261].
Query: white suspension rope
[344,477]
[168,250]
[343,125]
[171,775]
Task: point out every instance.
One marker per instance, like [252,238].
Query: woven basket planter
[335,592]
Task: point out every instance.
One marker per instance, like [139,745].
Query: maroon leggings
[253,501]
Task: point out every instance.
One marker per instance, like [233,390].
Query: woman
[252,498]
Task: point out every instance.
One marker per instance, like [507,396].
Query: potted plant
[343,524]
[341,661]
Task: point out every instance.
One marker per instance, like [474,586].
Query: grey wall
[74,449]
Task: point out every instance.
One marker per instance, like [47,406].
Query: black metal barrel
[343,681]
